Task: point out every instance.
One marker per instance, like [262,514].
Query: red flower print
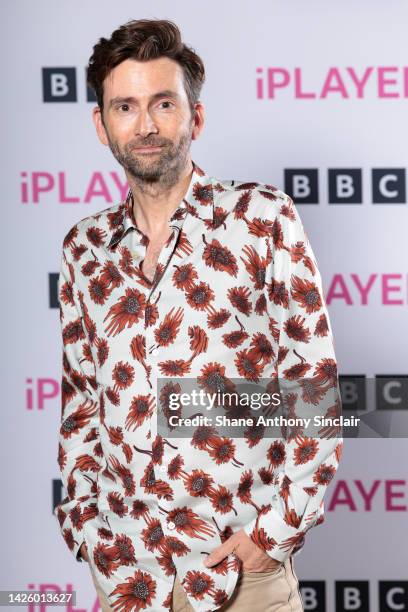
[326,371]
[261,539]
[123,374]
[255,265]
[111,275]
[276,453]
[306,293]
[125,475]
[235,338]
[260,227]
[137,593]
[244,487]
[69,240]
[306,450]
[262,348]
[139,508]
[138,348]
[213,379]
[153,536]
[73,332]
[220,214]
[198,340]
[324,474]
[203,193]
[247,365]
[102,350]
[69,538]
[116,504]
[197,584]
[219,258]
[141,408]
[98,290]
[268,195]
[266,475]
[198,483]
[184,276]
[277,235]
[176,367]
[167,331]
[126,312]
[218,319]
[166,562]
[278,294]
[78,419]
[124,550]
[95,235]
[241,207]
[312,392]
[222,500]
[105,559]
[321,329]
[66,294]
[239,298]
[296,371]
[190,523]
[199,296]
[294,328]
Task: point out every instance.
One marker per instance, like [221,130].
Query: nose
[145,124]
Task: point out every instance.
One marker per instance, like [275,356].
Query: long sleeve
[300,325]
[79,450]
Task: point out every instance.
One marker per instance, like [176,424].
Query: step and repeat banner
[309,96]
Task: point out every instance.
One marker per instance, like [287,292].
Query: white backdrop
[245,138]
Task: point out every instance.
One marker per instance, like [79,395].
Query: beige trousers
[271,591]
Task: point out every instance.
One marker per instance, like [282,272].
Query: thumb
[219,553]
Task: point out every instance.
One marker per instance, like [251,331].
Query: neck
[153,205]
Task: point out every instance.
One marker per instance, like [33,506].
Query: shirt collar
[197,202]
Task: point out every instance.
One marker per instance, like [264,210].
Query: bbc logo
[60,85]
[354,595]
[345,185]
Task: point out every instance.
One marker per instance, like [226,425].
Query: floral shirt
[236,295]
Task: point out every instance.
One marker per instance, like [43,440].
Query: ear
[198,120]
[100,128]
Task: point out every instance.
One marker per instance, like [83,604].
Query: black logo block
[302,185]
[352,595]
[345,186]
[393,595]
[59,84]
[389,186]
[313,595]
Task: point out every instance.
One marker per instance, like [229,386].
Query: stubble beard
[157,170]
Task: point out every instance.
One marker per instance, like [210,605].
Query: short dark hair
[143,40]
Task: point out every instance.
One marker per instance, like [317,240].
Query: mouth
[147,149]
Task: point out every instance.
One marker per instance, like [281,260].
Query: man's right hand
[83,551]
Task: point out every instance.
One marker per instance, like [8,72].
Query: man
[190,278]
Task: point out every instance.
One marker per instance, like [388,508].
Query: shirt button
[171,525]
[155,352]
[163,468]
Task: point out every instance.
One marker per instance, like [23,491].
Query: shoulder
[93,229]
[259,199]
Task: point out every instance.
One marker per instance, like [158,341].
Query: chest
[153,251]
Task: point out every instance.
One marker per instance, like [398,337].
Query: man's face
[146,105]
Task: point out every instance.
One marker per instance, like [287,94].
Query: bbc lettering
[345,185]
[392,596]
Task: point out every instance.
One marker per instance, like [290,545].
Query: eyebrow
[166,93]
